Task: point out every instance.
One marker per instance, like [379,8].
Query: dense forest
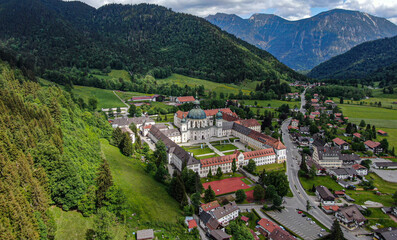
[49,155]
[57,35]
[368,62]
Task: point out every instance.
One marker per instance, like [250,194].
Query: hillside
[52,34]
[306,43]
[370,61]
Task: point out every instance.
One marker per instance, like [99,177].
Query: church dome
[196,113]
[218,115]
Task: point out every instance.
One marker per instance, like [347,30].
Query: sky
[289,9]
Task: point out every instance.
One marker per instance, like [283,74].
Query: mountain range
[53,34]
[305,43]
[372,61]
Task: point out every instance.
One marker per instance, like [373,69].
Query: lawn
[225,147]
[385,119]
[317,181]
[72,225]
[106,98]
[181,80]
[377,216]
[271,103]
[196,150]
[128,173]
[271,167]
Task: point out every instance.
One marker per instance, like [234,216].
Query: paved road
[300,198]
[128,106]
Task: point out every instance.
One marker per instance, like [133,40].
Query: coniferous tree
[117,136]
[104,181]
[234,166]
[126,146]
[336,232]
[219,172]
[209,194]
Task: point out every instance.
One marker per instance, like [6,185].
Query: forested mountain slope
[49,154]
[53,34]
[370,61]
[305,43]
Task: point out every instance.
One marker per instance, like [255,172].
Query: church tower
[218,119]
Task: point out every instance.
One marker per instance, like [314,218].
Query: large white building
[198,125]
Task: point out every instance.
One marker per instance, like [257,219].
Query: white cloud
[289,9]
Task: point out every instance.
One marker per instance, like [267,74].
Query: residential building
[209,206]
[357,135]
[350,217]
[390,210]
[382,133]
[343,173]
[325,196]
[341,144]
[138,121]
[344,184]
[280,234]
[185,99]
[361,170]
[272,231]
[219,235]
[304,130]
[208,222]
[385,165]
[349,159]
[145,234]
[295,123]
[130,133]
[389,233]
[373,146]
[226,213]
[330,209]
[328,157]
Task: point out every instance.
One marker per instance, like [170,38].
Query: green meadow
[106,98]
[208,85]
[128,173]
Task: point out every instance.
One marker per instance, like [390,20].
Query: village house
[130,133]
[186,99]
[219,235]
[357,135]
[209,206]
[304,130]
[361,170]
[343,173]
[341,144]
[388,233]
[390,210]
[325,196]
[373,146]
[350,217]
[385,165]
[330,209]
[382,133]
[221,215]
[143,98]
[295,123]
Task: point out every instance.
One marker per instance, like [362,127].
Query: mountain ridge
[56,34]
[303,44]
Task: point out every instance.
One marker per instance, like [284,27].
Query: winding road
[300,198]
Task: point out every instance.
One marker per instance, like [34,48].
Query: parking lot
[307,229]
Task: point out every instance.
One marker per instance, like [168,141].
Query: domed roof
[218,115]
[196,113]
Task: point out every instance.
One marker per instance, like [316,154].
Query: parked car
[299,212]
[308,219]
[303,215]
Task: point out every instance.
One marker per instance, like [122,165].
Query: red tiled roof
[315,113]
[339,192]
[295,120]
[244,218]
[357,135]
[314,100]
[329,101]
[209,206]
[219,160]
[358,166]
[268,225]
[382,132]
[258,153]
[338,114]
[333,208]
[186,99]
[339,141]
[210,112]
[192,224]
[371,144]
[147,127]
[274,143]
[249,123]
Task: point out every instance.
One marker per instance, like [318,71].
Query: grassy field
[377,216]
[271,167]
[385,119]
[114,74]
[271,103]
[72,225]
[225,147]
[208,85]
[106,98]
[196,150]
[360,197]
[151,206]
